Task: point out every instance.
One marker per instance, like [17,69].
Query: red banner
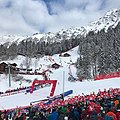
[107,76]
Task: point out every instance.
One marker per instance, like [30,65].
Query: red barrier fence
[107,76]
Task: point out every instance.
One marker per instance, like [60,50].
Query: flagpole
[9,74]
[63,83]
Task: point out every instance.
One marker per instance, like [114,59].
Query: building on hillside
[65,55]
[3,67]
[13,65]
[55,65]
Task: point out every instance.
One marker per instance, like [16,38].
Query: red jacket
[100,118]
[112,114]
[118,115]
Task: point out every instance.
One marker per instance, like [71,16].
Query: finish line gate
[53,82]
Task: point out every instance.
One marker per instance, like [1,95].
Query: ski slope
[61,75]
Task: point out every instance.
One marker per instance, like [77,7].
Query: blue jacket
[54,116]
[108,117]
[76,114]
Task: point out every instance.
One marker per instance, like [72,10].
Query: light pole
[63,83]
[9,74]
[35,65]
[20,83]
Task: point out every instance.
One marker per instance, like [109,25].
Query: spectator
[76,108]
[110,116]
[54,115]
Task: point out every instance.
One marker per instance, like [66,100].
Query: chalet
[3,67]
[55,65]
[13,64]
[65,55]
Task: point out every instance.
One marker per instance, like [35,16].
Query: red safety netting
[107,76]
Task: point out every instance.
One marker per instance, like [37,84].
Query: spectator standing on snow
[54,115]
[84,115]
[110,116]
[118,114]
[94,115]
[76,114]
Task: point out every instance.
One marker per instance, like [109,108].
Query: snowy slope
[78,88]
[11,38]
[61,75]
[43,64]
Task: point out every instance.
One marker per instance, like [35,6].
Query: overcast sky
[25,17]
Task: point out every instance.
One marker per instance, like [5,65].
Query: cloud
[22,16]
[25,17]
[112,4]
[74,13]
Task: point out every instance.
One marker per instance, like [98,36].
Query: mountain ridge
[110,19]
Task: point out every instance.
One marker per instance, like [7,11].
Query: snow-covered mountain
[110,19]
[67,68]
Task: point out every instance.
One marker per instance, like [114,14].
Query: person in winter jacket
[94,115]
[84,115]
[118,115]
[76,114]
[100,117]
[61,114]
[54,115]
[71,115]
[48,116]
[112,115]
[2,116]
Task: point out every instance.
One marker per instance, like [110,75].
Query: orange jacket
[112,114]
[116,102]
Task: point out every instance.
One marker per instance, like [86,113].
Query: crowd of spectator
[20,89]
[104,105]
